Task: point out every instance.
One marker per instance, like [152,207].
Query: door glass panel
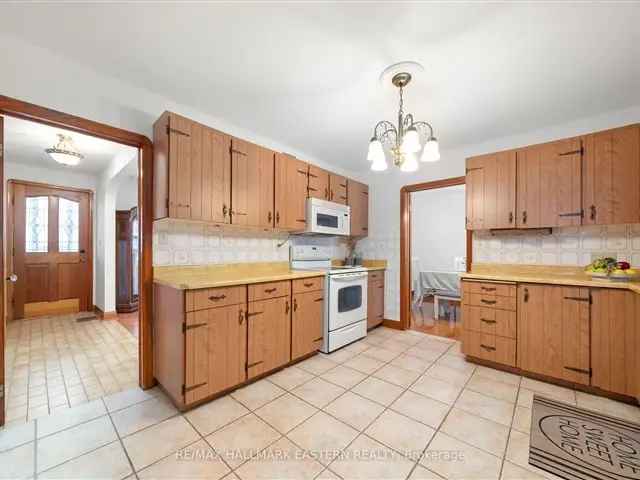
[349,298]
[68,225]
[324,220]
[37,224]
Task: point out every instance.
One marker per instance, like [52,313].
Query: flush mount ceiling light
[410,139]
[65,152]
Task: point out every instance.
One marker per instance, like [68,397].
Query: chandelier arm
[425,125]
[386,132]
[408,120]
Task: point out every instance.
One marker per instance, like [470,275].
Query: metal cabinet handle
[225,210]
[510,217]
[593,212]
[488,302]
[326,193]
[526,294]
[524,217]
[488,289]
[487,347]
[277,217]
[215,298]
[486,320]
[286,308]
[270,290]
[240,317]
[308,284]
[295,304]
[269,217]
[319,299]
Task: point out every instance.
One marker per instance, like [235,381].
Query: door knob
[13,278]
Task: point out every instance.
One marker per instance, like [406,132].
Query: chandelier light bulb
[431,152]
[379,164]
[410,163]
[410,141]
[375,150]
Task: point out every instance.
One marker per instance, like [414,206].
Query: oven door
[347,299]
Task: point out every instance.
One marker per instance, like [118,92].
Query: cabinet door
[318,183]
[290,192]
[611,181]
[549,185]
[269,335]
[306,323]
[615,340]
[338,188]
[358,195]
[215,351]
[211,176]
[491,200]
[540,329]
[180,172]
[576,335]
[243,164]
[260,184]
[197,361]
[375,303]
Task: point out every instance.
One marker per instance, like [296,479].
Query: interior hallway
[449,324]
[55,362]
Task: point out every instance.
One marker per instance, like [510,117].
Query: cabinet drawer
[308,284]
[490,321]
[490,288]
[489,347]
[215,297]
[376,275]
[262,291]
[491,301]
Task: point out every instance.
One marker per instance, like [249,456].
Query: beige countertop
[211,276]
[554,275]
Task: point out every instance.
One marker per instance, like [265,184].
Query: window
[37,224]
[68,225]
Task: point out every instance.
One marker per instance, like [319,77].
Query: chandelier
[65,152]
[405,141]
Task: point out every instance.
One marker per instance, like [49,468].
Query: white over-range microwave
[328,218]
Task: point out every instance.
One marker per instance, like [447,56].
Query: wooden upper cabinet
[358,194]
[549,184]
[290,192]
[252,183]
[611,181]
[491,191]
[337,188]
[318,183]
[192,170]
[615,339]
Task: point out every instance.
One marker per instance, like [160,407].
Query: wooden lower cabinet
[375,299]
[554,331]
[306,323]
[269,335]
[215,346]
[615,347]
[208,341]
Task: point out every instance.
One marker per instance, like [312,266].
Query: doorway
[434,249]
[52,263]
[50,250]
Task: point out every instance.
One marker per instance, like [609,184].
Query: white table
[442,285]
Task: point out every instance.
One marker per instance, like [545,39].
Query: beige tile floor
[54,363]
[397,405]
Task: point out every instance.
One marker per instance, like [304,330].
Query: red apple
[623,265]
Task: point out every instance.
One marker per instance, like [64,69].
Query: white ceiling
[307,74]
[25,142]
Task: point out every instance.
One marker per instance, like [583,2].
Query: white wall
[438,232]
[127,197]
[384,187]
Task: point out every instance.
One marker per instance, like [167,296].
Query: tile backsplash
[185,243]
[565,246]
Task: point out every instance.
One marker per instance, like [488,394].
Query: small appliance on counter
[328,218]
[345,295]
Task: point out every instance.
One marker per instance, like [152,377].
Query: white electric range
[345,295]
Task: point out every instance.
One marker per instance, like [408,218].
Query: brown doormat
[575,443]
